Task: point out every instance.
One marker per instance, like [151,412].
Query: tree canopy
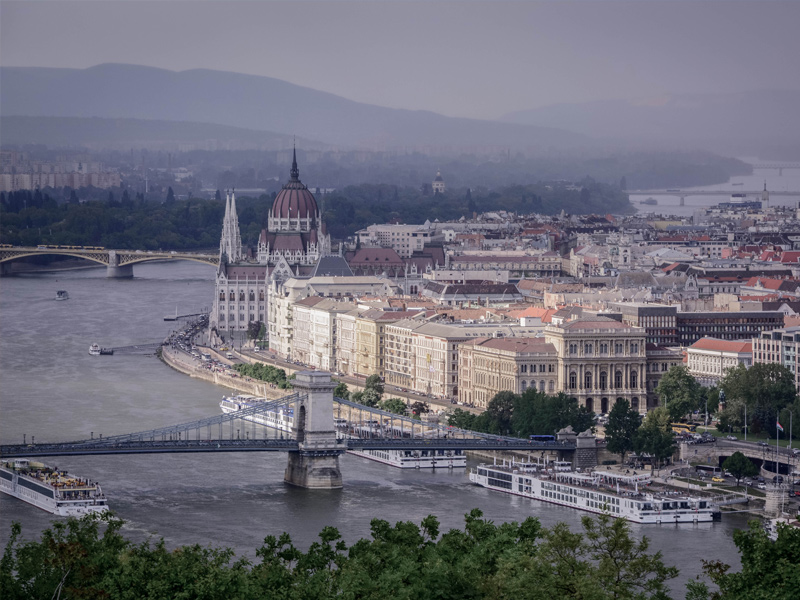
[739,466]
[623,424]
[603,561]
[655,436]
[765,389]
[679,391]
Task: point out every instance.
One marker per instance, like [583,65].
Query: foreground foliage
[770,570]
[89,558]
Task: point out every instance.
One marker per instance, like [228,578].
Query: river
[670,205]
[53,390]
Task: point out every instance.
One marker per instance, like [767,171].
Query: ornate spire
[295,173]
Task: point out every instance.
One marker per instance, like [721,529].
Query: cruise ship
[281,419]
[50,489]
[617,494]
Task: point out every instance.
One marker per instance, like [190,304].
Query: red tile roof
[722,345]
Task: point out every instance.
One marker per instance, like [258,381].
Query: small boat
[96,350]
[738,183]
[649,202]
[62,295]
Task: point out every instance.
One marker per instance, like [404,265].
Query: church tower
[230,244]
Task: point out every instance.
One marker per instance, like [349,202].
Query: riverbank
[180,361]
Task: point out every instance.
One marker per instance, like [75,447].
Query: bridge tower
[114,270]
[683,200]
[316,464]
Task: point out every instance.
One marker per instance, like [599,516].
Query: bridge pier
[683,199]
[5,269]
[114,270]
[123,272]
[316,464]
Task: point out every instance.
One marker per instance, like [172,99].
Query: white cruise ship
[52,490]
[281,419]
[622,496]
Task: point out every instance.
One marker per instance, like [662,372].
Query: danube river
[670,205]
[53,390]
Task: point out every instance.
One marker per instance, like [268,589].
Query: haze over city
[463,59]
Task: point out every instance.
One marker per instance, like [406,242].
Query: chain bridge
[312,426]
[118,263]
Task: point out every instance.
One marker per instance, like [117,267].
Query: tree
[679,392]
[374,382]
[170,197]
[499,412]
[394,405]
[254,329]
[341,391]
[655,436]
[537,413]
[368,397]
[418,409]
[463,419]
[769,569]
[765,389]
[739,466]
[623,424]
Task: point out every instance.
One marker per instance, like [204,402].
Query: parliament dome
[294,201]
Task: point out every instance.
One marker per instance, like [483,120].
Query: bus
[542,438]
[683,428]
[709,470]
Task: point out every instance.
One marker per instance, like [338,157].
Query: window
[573,348]
[603,380]
[617,348]
[587,349]
[604,348]
[252,296]
[541,385]
[587,380]
[634,380]
[552,386]
[634,348]
[523,368]
[241,296]
[573,380]
[618,379]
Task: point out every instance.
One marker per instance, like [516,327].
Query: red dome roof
[294,200]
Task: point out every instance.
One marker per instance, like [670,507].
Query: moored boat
[94,349]
[62,295]
[50,489]
[617,494]
[281,419]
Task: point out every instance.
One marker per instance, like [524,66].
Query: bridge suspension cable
[207,423]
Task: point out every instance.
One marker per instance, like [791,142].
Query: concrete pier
[316,464]
[124,272]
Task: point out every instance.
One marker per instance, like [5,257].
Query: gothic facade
[289,246]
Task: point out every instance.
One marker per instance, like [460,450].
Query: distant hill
[126,133]
[256,103]
[766,123]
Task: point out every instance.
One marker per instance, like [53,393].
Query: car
[733,438]
[256,349]
[762,444]
[716,479]
[795,451]
[777,479]
[761,485]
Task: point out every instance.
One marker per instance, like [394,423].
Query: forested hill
[253,102]
[124,220]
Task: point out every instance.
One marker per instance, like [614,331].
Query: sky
[475,59]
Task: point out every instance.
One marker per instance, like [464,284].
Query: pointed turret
[295,172]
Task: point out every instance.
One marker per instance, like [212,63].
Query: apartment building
[780,346]
[314,338]
[709,358]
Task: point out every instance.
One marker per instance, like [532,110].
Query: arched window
[541,385]
[587,380]
[241,296]
[222,295]
[618,379]
[603,380]
[573,380]
[524,385]
[587,349]
[261,295]
[634,380]
[252,296]
[590,404]
[232,295]
[635,404]
[552,386]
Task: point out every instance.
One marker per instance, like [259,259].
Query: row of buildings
[598,308]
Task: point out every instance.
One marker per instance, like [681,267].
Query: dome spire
[295,173]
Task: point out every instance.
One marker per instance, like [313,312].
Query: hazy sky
[471,58]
